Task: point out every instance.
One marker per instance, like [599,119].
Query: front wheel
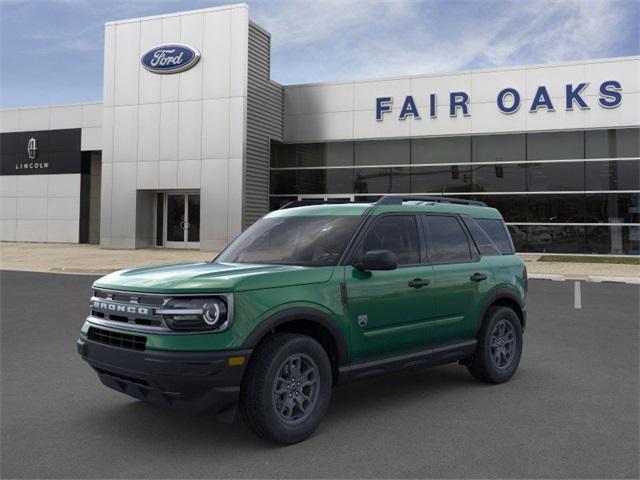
[287,388]
[499,346]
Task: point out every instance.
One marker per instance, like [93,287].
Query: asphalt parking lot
[571,411]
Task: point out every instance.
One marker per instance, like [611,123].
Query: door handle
[418,282]
[478,277]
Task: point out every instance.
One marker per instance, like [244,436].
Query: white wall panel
[9,120]
[170,84]
[125,134]
[64,185]
[239,52]
[215,128]
[32,185]
[626,72]
[34,119]
[8,185]
[150,36]
[127,63]
[31,230]
[319,99]
[147,176]
[214,200]
[8,208]
[8,230]
[192,35]
[190,130]
[485,86]
[189,174]
[91,138]
[107,135]
[63,208]
[216,59]
[65,116]
[169,131]
[237,127]
[149,132]
[63,231]
[422,86]
[109,68]
[32,208]
[91,115]
[365,93]
[168,174]
[554,78]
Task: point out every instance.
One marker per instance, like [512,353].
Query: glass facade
[560,192]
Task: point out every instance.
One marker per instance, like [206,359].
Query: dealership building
[193,142]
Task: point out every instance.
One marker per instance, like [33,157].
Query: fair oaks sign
[508,100]
[173,58]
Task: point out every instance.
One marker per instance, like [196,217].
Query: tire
[275,406]
[499,346]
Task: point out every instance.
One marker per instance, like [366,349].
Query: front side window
[313,241]
[397,233]
[447,241]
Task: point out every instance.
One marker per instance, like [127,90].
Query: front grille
[128,308]
[116,339]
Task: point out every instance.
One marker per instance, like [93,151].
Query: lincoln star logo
[172,58]
[32,148]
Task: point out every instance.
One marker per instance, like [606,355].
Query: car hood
[211,277]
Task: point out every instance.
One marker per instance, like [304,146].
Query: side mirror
[377,260]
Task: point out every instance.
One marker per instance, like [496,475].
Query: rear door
[389,311]
[462,277]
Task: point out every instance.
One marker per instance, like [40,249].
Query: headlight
[196,313]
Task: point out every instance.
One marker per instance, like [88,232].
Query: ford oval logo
[172,58]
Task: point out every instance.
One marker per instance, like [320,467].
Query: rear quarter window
[498,233]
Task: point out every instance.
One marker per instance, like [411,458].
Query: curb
[588,278]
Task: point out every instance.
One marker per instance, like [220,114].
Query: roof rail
[399,200]
[312,201]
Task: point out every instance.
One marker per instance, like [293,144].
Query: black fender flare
[499,294]
[300,313]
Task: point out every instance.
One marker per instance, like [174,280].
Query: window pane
[555,145]
[519,236]
[554,239]
[499,148]
[498,233]
[283,182]
[339,180]
[275,203]
[556,208]
[499,178]
[447,241]
[382,180]
[542,177]
[613,240]
[382,152]
[396,233]
[310,155]
[447,178]
[512,207]
[613,143]
[283,155]
[310,241]
[613,175]
[481,238]
[612,208]
[339,154]
[441,150]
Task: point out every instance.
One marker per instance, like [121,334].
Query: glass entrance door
[182,220]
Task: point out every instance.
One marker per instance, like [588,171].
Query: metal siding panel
[265,121]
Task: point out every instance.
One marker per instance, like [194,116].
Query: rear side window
[497,231]
[484,243]
[397,233]
[447,242]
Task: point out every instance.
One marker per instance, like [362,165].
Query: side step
[437,355]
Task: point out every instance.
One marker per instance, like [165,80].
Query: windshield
[308,241]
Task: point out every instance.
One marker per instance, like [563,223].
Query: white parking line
[577,295]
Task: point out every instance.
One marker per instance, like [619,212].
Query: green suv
[310,297]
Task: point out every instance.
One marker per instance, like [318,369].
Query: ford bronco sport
[311,297]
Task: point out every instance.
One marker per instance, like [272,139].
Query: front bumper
[194,381]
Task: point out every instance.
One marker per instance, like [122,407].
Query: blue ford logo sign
[172,58]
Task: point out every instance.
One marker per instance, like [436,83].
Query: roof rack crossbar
[312,201]
[399,200]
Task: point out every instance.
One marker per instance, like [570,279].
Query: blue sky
[51,50]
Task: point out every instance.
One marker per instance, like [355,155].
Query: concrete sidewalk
[71,258]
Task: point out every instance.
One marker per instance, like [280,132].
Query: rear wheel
[287,388]
[499,346]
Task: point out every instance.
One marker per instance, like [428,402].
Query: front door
[182,220]
[391,311]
